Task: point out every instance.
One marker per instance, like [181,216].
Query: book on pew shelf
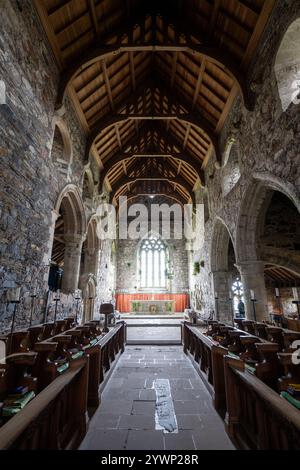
[77,355]
[290,399]
[60,360]
[18,392]
[293,392]
[19,402]
[73,351]
[17,405]
[63,367]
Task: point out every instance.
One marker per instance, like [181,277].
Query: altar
[153,307]
[161,303]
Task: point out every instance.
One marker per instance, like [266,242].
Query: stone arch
[287,66]
[70,200]
[253,207]
[62,150]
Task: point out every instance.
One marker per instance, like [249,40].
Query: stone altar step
[156,335]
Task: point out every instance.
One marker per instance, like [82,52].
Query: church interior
[149,340]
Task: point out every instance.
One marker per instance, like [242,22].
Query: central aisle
[132,409]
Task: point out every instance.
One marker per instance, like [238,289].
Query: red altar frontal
[124,301]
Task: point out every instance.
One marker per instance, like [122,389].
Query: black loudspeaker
[55,277]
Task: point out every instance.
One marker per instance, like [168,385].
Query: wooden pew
[116,335]
[275,335]
[257,417]
[268,368]
[87,342]
[293,324]
[55,418]
[249,327]
[63,380]
[240,323]
[261,330]
[291,373]
[207,356]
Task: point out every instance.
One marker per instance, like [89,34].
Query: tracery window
[153,263]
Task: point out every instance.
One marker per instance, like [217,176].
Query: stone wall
[31,180]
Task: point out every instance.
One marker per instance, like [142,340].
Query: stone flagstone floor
[125,419]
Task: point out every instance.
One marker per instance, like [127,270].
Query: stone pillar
[221,288]
[73,246]
[252,275]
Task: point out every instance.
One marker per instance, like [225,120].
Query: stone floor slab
[143,408]
[137,422]
[136,440]
[101,439]
[181,441]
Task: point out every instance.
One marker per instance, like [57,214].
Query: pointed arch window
[153,257]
